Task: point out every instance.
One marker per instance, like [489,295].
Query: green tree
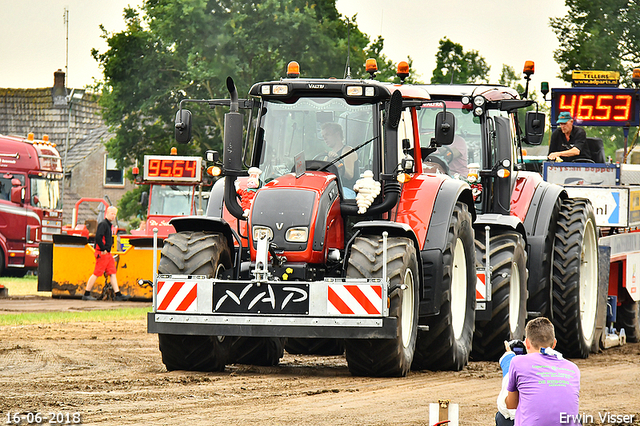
[176,49]
[598,35]
[387,69]
[509,77]
[130,205]
[454,65]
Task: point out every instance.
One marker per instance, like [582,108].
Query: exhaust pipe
[232,156]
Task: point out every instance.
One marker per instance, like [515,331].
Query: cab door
[13,220]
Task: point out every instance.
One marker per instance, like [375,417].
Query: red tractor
[536,248]
[311,256]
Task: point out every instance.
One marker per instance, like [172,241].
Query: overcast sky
[32,34]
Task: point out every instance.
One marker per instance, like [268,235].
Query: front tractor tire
[508,260]
[445,343]
[387,357]
[575,278]
[194,253]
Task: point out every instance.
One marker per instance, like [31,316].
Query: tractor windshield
[171,200]
[466,148]
[317,127]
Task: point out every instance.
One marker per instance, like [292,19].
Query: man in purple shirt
[543,387]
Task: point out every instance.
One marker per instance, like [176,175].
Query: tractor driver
[348,166]
[568,142]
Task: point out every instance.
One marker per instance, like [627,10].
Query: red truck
[30,200]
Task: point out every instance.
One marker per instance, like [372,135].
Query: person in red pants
[104,259]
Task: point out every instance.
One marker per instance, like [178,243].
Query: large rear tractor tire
[194,253]
[575,278]
[387,357]
[446,344]
[265,351]
[628,318]
[305,346]
[508,261]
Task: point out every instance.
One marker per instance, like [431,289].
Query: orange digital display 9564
[597,106]
[172,168]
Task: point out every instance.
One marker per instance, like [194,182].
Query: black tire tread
[194,253]
[307,346]
[265,351]
[574,214]
[193,353]
[628,317]
[489,335]
[382,357]
[437,348]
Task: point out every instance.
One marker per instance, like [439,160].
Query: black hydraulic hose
[230,198]
[391,196]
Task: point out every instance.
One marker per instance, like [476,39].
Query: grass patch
[26,286]
[80,316]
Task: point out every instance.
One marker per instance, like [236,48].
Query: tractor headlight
[280,89]
[354,90]
[260,231]
[297,235]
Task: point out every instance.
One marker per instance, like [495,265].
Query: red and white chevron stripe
[481,286]
[177,296]
[350,299]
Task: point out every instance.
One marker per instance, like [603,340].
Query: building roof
[31,110]
[87,146]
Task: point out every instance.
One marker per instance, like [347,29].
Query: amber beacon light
[293,69]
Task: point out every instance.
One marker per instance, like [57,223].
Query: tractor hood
[297,212]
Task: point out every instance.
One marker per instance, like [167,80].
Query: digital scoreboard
[596,106]
[172,168]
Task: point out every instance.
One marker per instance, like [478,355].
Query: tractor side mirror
[534,127]
[183,126]
[395,110]
[445,128]
[144,199]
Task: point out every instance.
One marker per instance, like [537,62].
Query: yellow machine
[73,263]
[68,262]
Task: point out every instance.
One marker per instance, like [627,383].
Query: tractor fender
[540,223]
[205,224]
[449,194]
[540,212]
[216,199]
[377,227]
[499,221]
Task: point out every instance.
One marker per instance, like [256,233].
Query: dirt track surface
[112,374]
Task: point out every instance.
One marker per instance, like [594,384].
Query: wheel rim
[514,299]
[588,276]
[458,289]
[407,308]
